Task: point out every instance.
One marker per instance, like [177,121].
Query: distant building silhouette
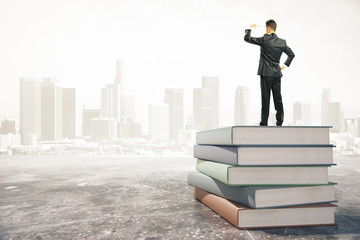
[159,122]
[118,90]
[127,107]
[68,113]
[350,126]
[130,129]
[87,115]
[328,95]
[8,126]
[242,106]
[174,97]
[108,103]
[30,107]
[116,103]
[336,116]
[30,140]
[302,113]
[206,104]
[103,129]
[51,110]
[9,140]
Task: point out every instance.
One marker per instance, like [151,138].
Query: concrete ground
[99,197]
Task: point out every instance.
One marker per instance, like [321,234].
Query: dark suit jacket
[271,49]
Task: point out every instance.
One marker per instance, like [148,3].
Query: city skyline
[205,98]
[172,45]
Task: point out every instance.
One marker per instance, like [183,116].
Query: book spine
[218,171]
[226,155]
[220,136]
[219,205]
[243,195]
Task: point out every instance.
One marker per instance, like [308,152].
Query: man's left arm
[290,55]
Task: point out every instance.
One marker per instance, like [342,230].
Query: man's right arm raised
[258,41]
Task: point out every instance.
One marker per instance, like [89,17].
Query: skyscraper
[115,102]
[8,126]
[107,101]
[336,117]
[87,115]
[302,113]
[51,110]
[127,109]
[159,122]
[350,126]
[68,113]
[174,97]
[328,96]
[103,129]
[118,90]
[30,107]
[242,106]
[206,104]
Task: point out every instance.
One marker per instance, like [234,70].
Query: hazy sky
[166,43]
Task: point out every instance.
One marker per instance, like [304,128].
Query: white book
[259,135]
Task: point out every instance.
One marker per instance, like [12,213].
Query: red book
[244,217]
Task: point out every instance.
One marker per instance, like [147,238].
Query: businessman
[271,48]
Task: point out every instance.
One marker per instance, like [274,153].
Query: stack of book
[265,177]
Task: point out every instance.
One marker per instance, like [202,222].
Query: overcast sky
[165,43]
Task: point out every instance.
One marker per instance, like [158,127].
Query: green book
[264,175]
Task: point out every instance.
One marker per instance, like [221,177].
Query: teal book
[265,196]
[264,175]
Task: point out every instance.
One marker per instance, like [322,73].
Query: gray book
[259,135]
[267,154]
[265,196]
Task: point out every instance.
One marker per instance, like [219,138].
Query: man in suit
[271,48]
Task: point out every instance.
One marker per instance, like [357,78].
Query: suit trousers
[267,85]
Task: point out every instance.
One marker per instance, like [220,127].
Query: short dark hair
[272,24]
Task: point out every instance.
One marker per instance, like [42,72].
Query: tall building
[87,115]
[51,110]
[130,129]
[159,122]
[328,95]
[118,90]
[242,106]
[107,101]
[68,113]
[9,140]
[30,107]
[302,113]
[336,117]
[358,127]
[8,126]
[174,97]
[103,129]
[127,109]
[350,126]
[206,104]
